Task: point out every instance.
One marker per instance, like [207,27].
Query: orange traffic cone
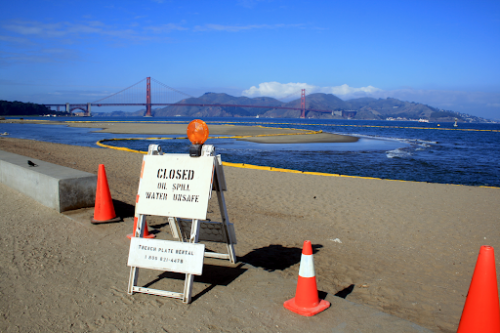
[481,311]
[104,211]
[306,301]
[146,232]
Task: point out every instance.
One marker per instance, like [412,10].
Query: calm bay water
[425,152]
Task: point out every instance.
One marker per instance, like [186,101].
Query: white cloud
[37,28]
[237,28]
[166,28]
[49,55]
[248,3]
[229,28]
[276,89]
[285,90]
[345,90]
[18,40]
[71,30]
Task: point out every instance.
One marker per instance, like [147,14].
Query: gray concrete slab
[54,186]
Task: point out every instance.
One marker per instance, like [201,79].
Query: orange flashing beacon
[197,132]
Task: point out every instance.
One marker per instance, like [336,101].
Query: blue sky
[442,53]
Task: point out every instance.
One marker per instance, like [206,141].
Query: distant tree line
[24,109]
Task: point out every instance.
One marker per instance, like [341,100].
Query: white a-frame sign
[179,187]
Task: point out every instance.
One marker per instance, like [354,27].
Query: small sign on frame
[165,255]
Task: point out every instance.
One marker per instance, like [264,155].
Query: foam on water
[399,152]
[378,137]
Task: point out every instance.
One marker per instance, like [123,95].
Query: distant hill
[313,101]
[391,107]
[217,111]
[359,108]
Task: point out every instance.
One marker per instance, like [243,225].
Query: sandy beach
[405,248]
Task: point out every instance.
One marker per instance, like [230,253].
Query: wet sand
[405,248]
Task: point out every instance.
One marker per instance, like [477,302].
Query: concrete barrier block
[52,185]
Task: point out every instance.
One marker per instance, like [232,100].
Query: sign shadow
[212,275]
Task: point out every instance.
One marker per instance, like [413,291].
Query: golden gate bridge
[164,96]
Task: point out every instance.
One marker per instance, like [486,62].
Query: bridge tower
[148,97]
[303,104]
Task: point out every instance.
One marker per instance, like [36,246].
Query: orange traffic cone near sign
[306,301]
[146,232]
[104,210]
[481,311]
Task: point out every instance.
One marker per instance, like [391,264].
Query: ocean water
[423,152]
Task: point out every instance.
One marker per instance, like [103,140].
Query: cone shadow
[345,292]
[322,294]
[275,257]
[123,209]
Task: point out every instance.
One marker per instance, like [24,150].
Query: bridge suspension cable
[170,88]
[102,99]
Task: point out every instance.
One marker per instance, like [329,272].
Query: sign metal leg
[188,283]
[134,271]
[225,222]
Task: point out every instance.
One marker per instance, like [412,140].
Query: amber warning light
[197,132]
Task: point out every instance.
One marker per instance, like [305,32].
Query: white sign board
[175,185]
[164,255]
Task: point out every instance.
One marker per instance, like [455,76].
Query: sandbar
[257,133]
